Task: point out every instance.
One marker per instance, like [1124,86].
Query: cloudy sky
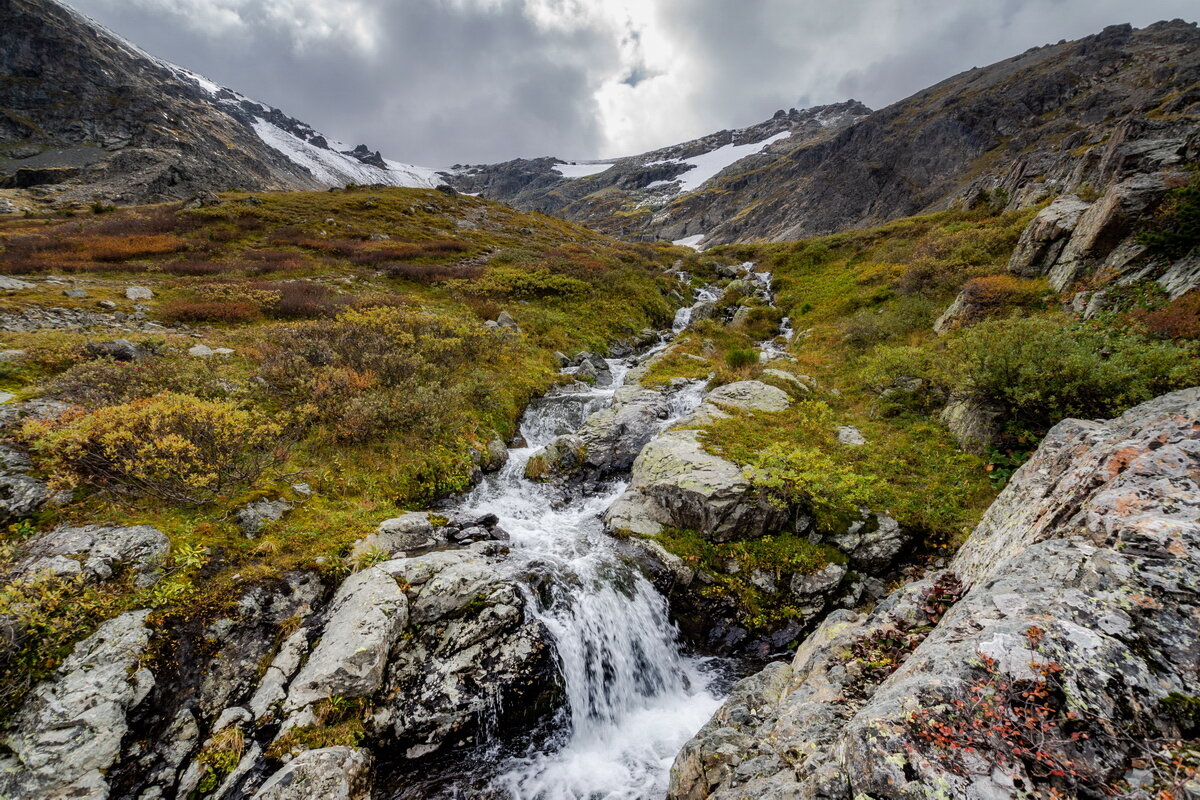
[435,82]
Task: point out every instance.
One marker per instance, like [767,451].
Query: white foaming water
[633,698]
[683,317]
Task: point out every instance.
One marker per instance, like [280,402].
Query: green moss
[734,567]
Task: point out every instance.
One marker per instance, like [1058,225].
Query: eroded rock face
[69,731]
[1081,579]
[1044,238]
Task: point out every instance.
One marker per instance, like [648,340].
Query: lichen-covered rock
[364,619]
[1080,586]
[1044,238]
[97,552]
[677,484]
[407,532]
[472,650]
[331,773]
[68,733]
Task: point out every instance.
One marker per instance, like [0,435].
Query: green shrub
[105,382]
[1175,228]
[1037,371]
[743,357]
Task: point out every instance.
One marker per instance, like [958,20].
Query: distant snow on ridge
[581,169]
[710,164]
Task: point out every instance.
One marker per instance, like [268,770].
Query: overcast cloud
[435,82]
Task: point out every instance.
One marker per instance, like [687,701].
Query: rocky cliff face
[1055,657]
[84,115]
[1070,117]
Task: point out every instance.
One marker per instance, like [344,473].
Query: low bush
[228,311]
[1177,320]
[1036,371]
[104,382]
[174,447]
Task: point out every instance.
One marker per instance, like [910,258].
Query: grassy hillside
[361,367]
[865,354]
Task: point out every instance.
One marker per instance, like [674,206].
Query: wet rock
[68,733]
[331,773]
[873,543]
[97,552]
[252,518]
[364,619]
[472,650]
[608,441]
[494,456]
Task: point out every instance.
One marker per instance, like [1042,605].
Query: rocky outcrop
[68,733]
[96,552]
[1044,238]
[1057,652]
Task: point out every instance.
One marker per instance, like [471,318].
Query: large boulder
[366,616]
[472,650]
[1044,238]
[1055,655]
[1104,226]
[749,396]
[676,483]
[68,733]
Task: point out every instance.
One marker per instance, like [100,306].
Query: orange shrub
[231,311]
[1179,319]
[124,248]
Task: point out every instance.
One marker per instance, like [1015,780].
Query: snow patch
[338,169]
[690,241]
[708,165]
[576,169]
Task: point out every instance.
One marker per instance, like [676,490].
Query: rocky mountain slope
[1070,117]
[85,115]
[622,195]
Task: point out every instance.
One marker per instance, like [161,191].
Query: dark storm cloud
[441,81]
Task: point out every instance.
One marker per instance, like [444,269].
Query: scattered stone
[138,293]
[379,237]
[850,436]
[107,304]
[75,293]
[447,190]
[13,284]
[224,352]
[253,517]
[200,351]
[116,349]
[201,200]
[505,320]
[96,551]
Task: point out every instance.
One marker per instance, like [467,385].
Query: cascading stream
[633,698]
